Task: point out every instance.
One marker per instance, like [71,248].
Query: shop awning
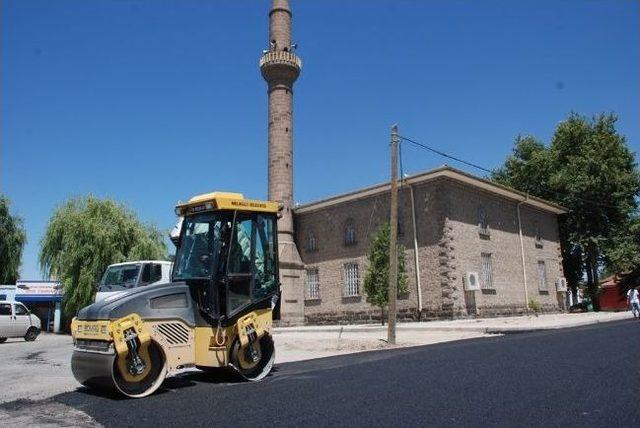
[38,298]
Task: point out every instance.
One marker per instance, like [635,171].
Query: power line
[471,164]
[443,154]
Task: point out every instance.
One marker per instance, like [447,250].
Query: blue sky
[150,102]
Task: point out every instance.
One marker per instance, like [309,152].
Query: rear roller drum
[255,361]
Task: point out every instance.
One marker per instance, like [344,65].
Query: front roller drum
[101,371]
[254,361]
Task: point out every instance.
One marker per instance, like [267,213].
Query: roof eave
[441,172]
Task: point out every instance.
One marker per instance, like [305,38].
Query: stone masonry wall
[328,226]
[507,294]
[448,246]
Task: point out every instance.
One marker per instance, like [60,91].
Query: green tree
[622,251]
[86,235]
[12,240]
[528,169]
[376,281]
[589,169]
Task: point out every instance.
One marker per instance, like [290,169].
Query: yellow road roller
[216,313]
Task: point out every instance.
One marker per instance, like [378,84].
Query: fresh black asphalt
[587,376]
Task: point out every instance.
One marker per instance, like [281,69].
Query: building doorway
[470,302]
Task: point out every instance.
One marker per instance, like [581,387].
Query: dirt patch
[342,345]
[38,358]
[43,414]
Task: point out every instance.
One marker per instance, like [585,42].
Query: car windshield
[204,237]
[119,277]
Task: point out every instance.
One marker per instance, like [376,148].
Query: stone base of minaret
[291,285]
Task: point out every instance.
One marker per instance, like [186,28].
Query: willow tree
[12,240]
[376,281]
[87,234]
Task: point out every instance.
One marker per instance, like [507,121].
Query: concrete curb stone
[467,327]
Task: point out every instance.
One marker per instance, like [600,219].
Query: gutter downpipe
[415,252]
[524,268]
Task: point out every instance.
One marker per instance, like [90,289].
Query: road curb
[427,328]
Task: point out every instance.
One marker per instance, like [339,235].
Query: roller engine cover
[167,301]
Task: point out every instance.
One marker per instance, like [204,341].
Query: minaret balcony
[280,57]
[280,67]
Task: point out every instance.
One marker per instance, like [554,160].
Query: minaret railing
[280,57]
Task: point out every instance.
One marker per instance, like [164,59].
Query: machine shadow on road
[170,384]
[178,382]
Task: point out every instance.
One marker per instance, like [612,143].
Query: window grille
[350,235]
[487,270]
[542,275]
[351,280]
[483,222]
[538,235]
[313,284]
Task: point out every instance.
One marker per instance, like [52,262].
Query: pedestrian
[634,302]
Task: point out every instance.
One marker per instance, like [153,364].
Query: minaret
[280,67]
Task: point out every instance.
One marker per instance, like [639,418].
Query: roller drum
[93,369]
[100,371]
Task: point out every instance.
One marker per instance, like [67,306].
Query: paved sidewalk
[479,325]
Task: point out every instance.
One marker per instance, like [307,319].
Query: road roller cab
[216,313]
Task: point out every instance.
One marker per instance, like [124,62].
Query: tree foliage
[86,235]
[12,240]
[589,169]
[529,167]
[376,281]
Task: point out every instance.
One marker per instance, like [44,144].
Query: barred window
[311,242]
[483,222]
[542,275]
[538,233]
[486,270]
[312,285]
[350,234]
[351,280]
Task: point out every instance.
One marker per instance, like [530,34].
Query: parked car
[122,277]
[17,321]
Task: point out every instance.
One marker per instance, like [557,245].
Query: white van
[17,321]
[122,277]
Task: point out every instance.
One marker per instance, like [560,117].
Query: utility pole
[393,241]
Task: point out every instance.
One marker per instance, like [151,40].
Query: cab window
[145,278]
[156,273]
[240,257]
[265,257]
[204,239]
[239,265]
[21,310]
[5,309]
[151,273]
[252,260]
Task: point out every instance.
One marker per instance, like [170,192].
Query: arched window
[311,243]
[538,234]
[400,228]
[350,234]
[483,222]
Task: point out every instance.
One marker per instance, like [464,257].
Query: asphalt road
[572,377]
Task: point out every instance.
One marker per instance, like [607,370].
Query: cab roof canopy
[216,201]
